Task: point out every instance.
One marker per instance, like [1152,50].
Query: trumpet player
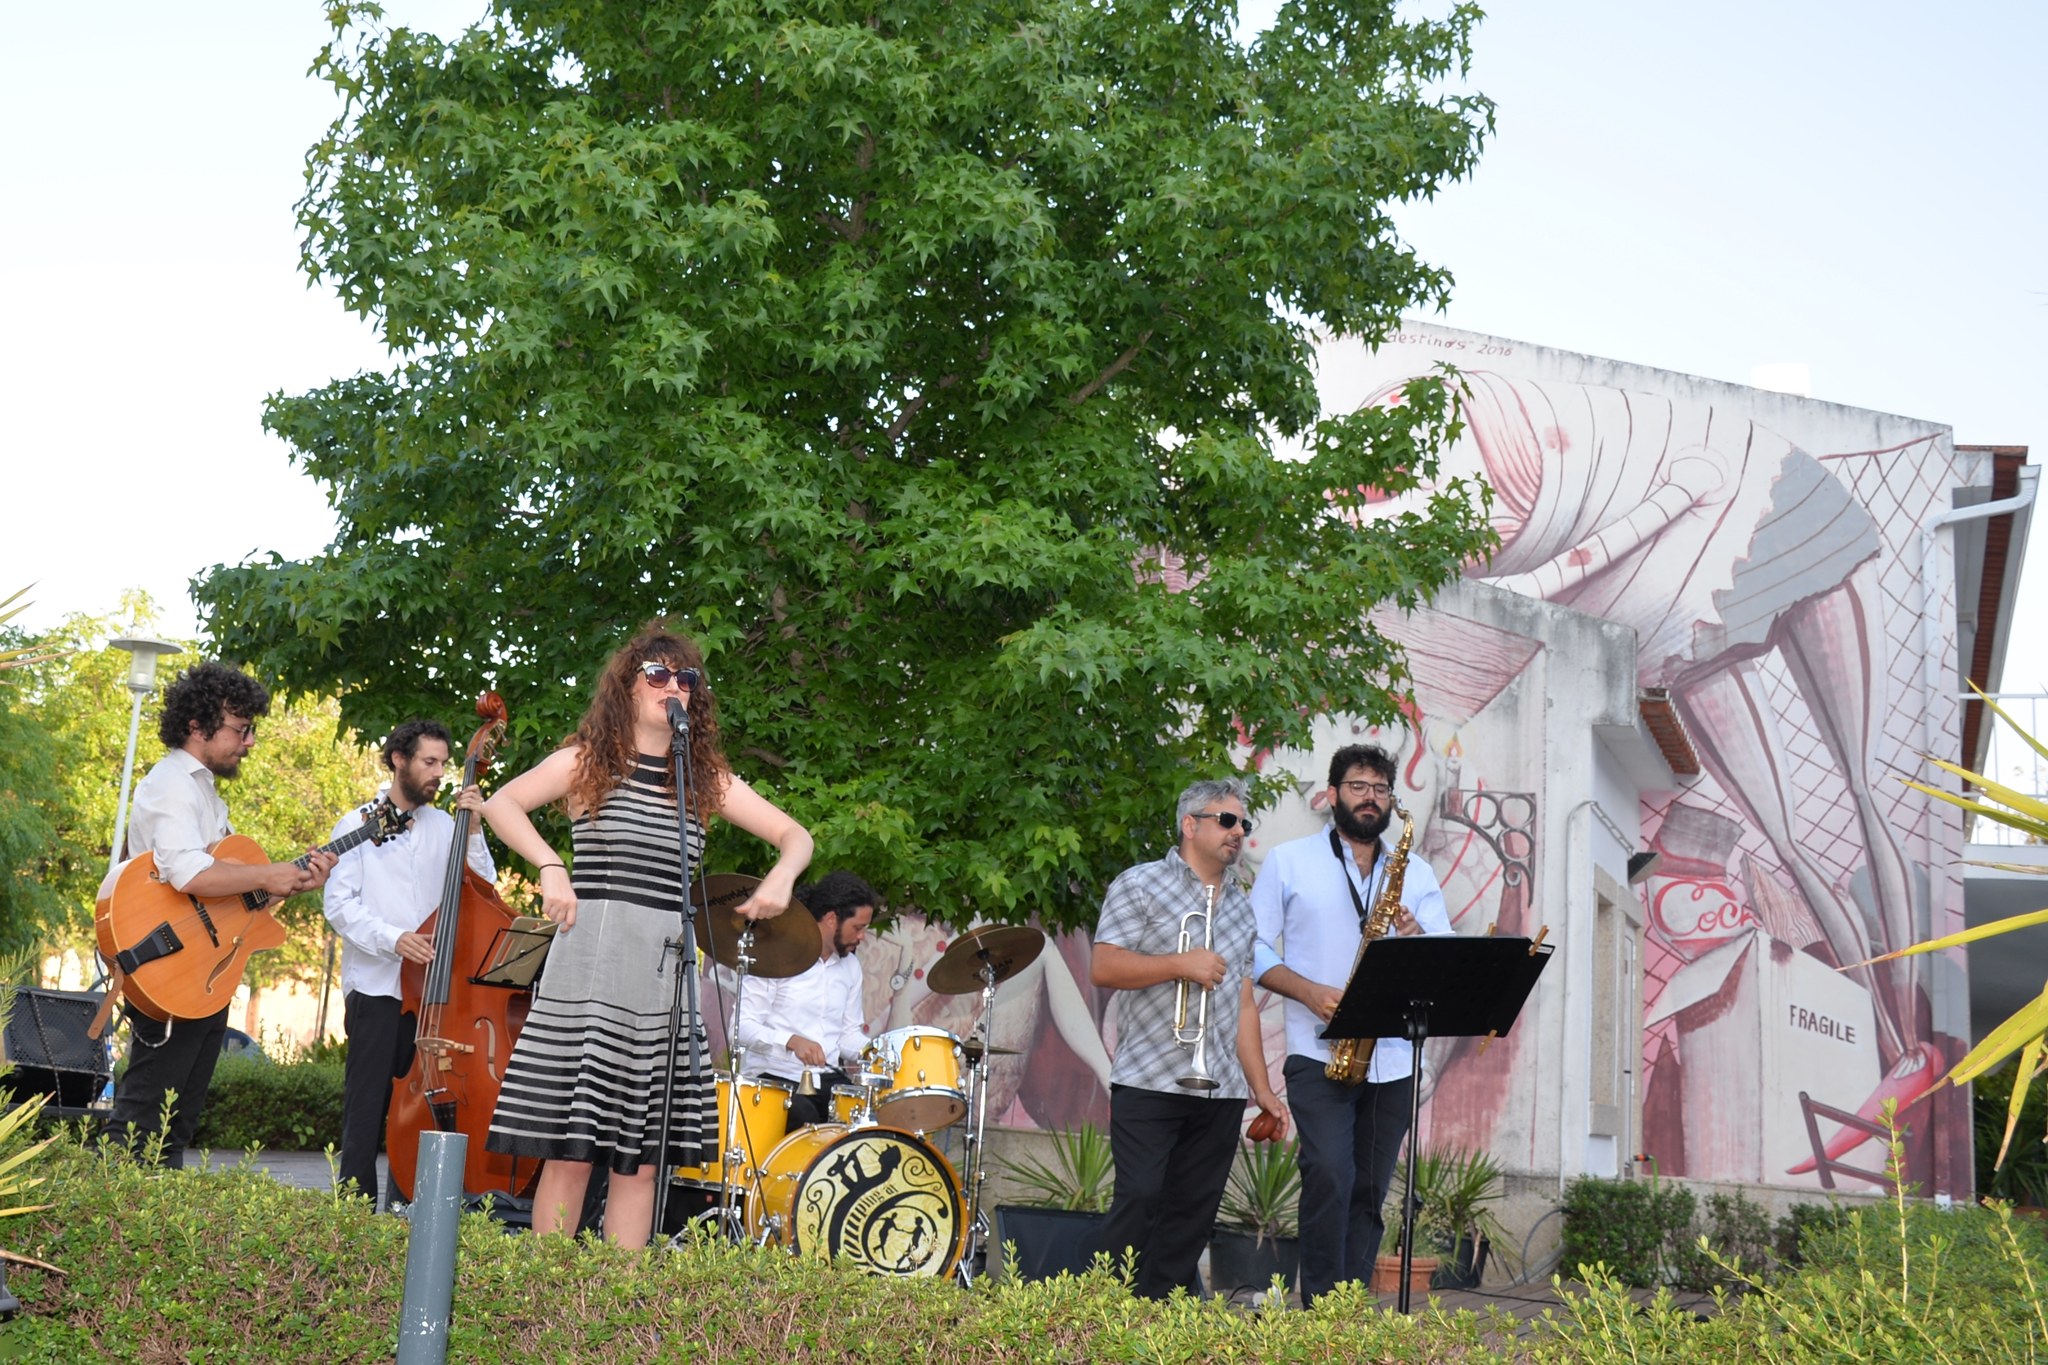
[1312,899]
[1175,939]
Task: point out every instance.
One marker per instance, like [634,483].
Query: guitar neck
[361,834]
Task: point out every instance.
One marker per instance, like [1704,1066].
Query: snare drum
[886,1200]
[763,1122]
[925,1068]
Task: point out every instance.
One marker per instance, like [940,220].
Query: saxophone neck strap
[1346,862]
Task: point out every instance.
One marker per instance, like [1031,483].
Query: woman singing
[584,1082]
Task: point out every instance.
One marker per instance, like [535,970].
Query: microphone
[678,718]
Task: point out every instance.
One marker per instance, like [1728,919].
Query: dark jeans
[1173,1156]
[380,1038]
[1350,1139]
[158,1066]
[816,1107]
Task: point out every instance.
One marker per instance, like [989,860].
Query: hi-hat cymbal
[1005,948]
[972,1048]
[784,946]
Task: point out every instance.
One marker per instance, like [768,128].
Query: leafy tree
[927,361]
[295,783]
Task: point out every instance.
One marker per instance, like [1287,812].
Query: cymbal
[1007,948]
[784,946]
[972,1048]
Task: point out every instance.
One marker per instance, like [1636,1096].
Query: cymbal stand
[976,1259]
[732,1220]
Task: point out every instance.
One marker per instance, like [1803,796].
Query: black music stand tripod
[1434,987]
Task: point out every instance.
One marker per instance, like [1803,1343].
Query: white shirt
[1308,922]
[178,815]
[821,1003]
[379,891]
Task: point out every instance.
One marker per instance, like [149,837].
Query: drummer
[812,1022]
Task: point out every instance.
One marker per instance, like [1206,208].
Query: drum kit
[869,1186]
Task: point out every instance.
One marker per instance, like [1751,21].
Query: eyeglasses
[1357,788]
[660,675]
[245,731]
[1226,819]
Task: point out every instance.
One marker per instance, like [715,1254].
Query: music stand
[1434,987]
[516,954]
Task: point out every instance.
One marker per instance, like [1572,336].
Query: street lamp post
[144,651]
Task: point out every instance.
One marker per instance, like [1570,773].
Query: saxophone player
[1175,940]
[1312,901]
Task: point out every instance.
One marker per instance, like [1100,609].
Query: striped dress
[584,1079]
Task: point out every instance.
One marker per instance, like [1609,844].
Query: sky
[1855,187]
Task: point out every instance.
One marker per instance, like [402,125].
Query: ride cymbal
[784,946]
[1005,948]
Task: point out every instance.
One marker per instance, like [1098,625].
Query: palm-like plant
[1081,1175]
[1456,1188]
[1264,1192]
[28,654]
[2027,1030]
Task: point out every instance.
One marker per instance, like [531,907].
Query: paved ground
[300,1170]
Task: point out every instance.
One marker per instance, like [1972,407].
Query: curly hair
[201,696]
[605,734]
[406,739]
[1371,757]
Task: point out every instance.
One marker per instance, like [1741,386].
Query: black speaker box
[45,1040]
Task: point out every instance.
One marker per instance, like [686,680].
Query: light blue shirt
[1308,923]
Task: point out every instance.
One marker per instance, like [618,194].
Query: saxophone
[1350,1058]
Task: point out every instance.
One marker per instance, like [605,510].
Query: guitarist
[379,896]
[209,724]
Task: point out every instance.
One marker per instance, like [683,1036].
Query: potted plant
[1456,1188]
[1255,1236]
[1056,1224]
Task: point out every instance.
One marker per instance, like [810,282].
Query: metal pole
[436,1215]
[127,773]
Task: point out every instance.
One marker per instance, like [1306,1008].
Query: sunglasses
[661,675]
[1226,819]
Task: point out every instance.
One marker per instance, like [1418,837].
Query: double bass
[463,1030]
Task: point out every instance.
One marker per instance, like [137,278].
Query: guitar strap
[98,1026]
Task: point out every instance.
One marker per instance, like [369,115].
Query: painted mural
[1764,552]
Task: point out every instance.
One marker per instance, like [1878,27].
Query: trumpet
[1195,1035]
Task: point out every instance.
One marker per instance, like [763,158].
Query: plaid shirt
[1142,914]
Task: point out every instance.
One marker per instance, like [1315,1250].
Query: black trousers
[1350,1140]
[181,1065]
[380,1036]
[1173,1155]
[816,1107]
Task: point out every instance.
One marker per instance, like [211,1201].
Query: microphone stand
[683,1007]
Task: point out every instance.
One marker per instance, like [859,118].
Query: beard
[413,795]
[1358,827]
[225,767]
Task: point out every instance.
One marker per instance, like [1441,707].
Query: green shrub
[233,1266]
[2023,1178]
[1641,1230]
[254,1103]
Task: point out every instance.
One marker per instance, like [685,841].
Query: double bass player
[377,899]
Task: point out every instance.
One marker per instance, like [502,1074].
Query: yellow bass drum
[883,1199]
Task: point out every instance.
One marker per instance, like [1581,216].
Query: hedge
[233,1266]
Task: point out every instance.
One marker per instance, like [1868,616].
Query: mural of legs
[1828,642]
[1737,737]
